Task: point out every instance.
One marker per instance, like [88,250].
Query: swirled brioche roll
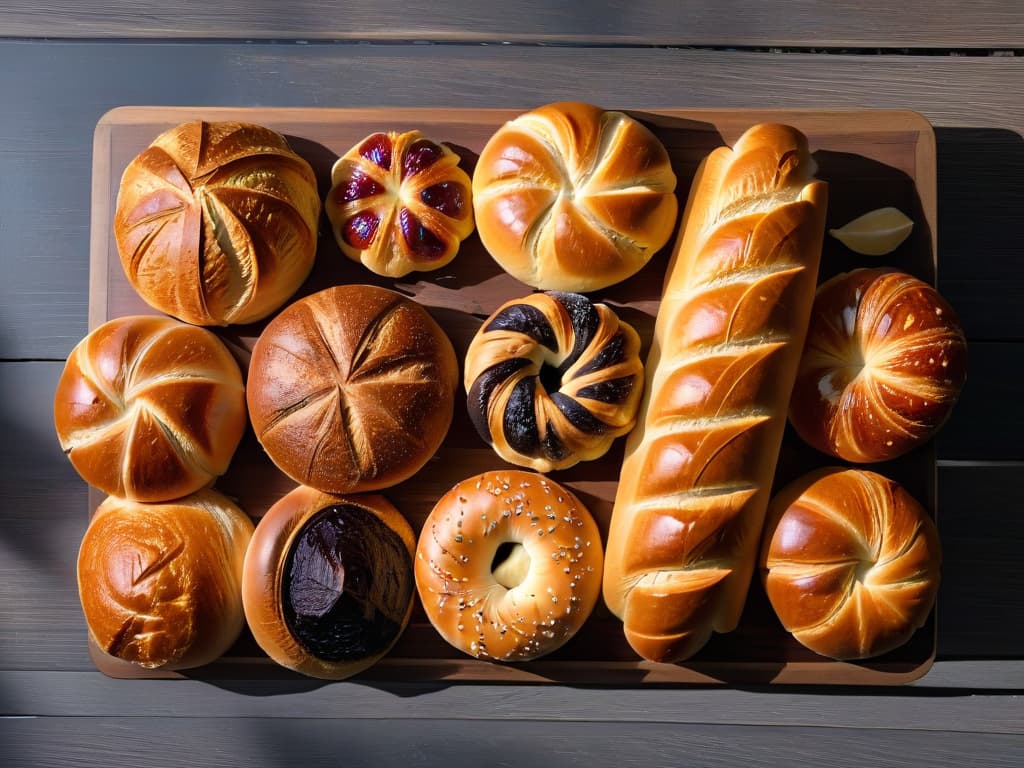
[698,469]
[553,379]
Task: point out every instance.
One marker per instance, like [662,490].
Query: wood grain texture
[46,131]
[914,24]
[261,742]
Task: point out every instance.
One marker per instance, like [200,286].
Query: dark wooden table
[64,64]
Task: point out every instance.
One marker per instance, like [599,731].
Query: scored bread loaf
[698,469]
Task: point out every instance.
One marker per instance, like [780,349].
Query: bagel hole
[510,565]
[550,378]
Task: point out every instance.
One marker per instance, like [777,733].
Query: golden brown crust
[884,363]
[698,467]
[216,223]
[548,340]
[265,569]
[160,584]
[850,562]
[399,202]
[149,408]
[571,197]
[352,389]
[460,593]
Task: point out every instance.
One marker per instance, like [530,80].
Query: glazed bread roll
[850,562]
[570,197]
[352,389]
[698,468]
[884,363]
[328,582]
[149,408]
[160,584]
[399,202]
[553,379]
[216,223]
[508,566]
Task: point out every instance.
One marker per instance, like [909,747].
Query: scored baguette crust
[698,469]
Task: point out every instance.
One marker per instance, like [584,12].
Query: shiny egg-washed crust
[882,368]
[593,355]
[570,197]
[160,584]
[216,223]
[264,569]
[457,546]
[850,562]
[149,408]
[352,389]
[422,214]
[698,467]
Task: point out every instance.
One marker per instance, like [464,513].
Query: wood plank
[46,133]
[871,24]
[257,742]
[981,601]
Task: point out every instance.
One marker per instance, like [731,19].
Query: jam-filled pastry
[400,203]
[553,379]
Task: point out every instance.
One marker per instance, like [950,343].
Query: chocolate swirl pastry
[399,202]
[553,379]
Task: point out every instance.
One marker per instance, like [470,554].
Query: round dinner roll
[216,222]
[328,581]
[399,202]
[882,368]
[850,562]
[508,566]
[352,389]
[149,408]
[160,584]
[570,197]
[553,379]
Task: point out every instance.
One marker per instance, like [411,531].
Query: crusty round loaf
[508,565]
[850,562]
[149,408]
[160,584]
[570,197]
[352,389]
[399,202]
[553,379]
[882,368]
[328,582]
[216,223]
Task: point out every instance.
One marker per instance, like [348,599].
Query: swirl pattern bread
[570,197]
[553,379]
[399,202]
[216,223]
[150,409]
[161,584]
[883,366]
[698,468]
[850,562]
[352,389]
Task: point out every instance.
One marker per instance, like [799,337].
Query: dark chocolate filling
[520,422]
[347,584]
[578,416]
[483,387]
[612,353]
[522,318]
[585,322]
[612,391]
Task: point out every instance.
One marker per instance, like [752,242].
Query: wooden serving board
[870,159]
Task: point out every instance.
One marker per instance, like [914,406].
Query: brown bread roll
[352,389]
[553,379]
[698,468]
[160,584]
[850,562]
[570,197]
[216,223]
[508,566]
[149,408]
[399,202]
[328,582]
[883,366]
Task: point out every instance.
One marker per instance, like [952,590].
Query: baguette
[698,469]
